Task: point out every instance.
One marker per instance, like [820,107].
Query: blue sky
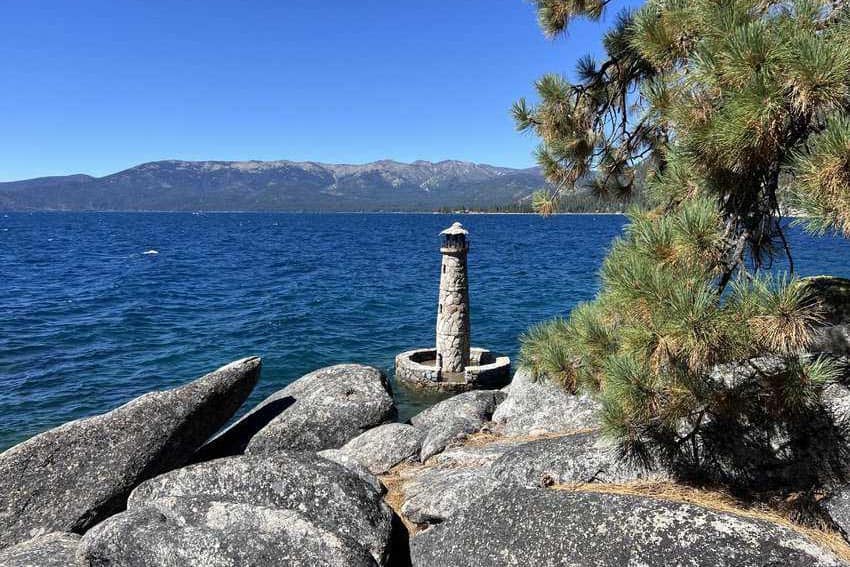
[97,86]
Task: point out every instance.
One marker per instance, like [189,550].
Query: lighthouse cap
[456,228]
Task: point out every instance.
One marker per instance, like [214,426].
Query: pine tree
[720,107]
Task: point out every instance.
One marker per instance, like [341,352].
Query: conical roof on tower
[455,229]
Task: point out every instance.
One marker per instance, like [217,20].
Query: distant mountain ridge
[174,185]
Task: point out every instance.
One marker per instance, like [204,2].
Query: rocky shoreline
[320,473]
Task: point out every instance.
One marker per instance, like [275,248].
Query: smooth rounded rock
[455,418]
[71,477]
[436,494]
[324,493]
[533,407]
[322,410]
[385,446]
[199,533]
[519,527]
[355,466]
[478,405]
[446,433]
[579,458]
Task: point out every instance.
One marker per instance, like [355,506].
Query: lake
[89,321]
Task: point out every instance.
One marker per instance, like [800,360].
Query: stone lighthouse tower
[453,307]
[453,364]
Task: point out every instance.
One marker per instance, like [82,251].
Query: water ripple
[87,321]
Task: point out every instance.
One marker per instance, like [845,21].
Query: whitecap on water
[150,252]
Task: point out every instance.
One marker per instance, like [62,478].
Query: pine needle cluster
[704,383]
[696,351]
[584,127]
[741,100]
[823,178]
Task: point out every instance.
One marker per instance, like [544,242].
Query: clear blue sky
[97,86]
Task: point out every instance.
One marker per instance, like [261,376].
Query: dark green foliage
[545,349]
[584,127]
[680,368]
[728,99]
[718,108]
[822,188]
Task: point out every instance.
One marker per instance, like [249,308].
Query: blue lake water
[88,321]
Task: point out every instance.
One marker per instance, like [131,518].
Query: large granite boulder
[196,533]
[580,458]
[72,477]
[55,549]
[533,407]
[474,455]
[355,466]
[443,434]
[385,446]
[286,508]
[455,418]
[753,458]
[516,526]
[322,410]
[436,494]
[478,405]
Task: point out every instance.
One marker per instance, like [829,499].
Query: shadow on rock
[233,440]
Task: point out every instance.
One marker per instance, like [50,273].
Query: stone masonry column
[453,308]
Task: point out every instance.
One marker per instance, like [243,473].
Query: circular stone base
[417,368]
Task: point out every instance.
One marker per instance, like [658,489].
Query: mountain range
[278,186]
